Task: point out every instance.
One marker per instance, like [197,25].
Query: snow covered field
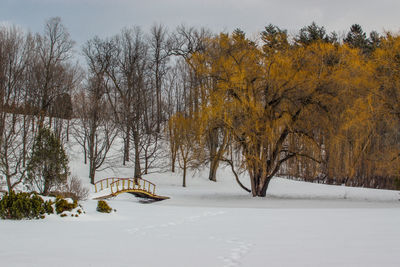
[216,224]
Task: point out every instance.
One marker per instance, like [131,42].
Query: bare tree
[52,73]
[15,51]
[176,101]
[127,95]
[96,130]
[96,127]
[160,50]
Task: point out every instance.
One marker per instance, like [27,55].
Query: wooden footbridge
[136,186]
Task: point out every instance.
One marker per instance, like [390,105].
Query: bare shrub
[73,189]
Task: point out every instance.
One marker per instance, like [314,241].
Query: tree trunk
[46,186]
[184,174]
[261,186]
[214,163]
[259,182]
[126,146]
[84,154]
[137,173]
[24,141]
[92,171]
[173,159]
[158,96]
[68,124]
[146,160]
[173,149]
[214,156]
[92,153]
[9,185]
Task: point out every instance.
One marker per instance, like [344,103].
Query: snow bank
[284,188]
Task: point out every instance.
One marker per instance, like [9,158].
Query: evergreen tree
[48,165]
[310,34]
[374,40]
[357,38]
[333,38]
[274,39]
[239,34]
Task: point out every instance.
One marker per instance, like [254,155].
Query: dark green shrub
[48,207]
[63,205]
[48,164]
[19,206]
[102,206]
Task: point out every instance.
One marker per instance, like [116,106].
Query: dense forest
[315,106]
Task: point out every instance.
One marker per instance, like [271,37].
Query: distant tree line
[315,106]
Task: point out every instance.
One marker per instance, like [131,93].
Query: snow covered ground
[215,224]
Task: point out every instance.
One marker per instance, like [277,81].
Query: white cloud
[86,18]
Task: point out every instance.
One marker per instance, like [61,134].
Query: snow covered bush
[19,206]
[64,205]
[102,206]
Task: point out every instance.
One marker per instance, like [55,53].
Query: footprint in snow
[132,231]
[239,249]
[173,223]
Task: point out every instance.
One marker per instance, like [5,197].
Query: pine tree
[357,38]
[274,39]
[48,165]
[311,34]
[374,40]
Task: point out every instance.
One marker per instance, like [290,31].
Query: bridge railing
[120,184]
[104,183]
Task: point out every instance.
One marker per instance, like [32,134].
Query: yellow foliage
[318,110]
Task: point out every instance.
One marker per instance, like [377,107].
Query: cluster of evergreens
[17,206]
[315,106]
[103,207]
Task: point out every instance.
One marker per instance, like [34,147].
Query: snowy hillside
[215,224]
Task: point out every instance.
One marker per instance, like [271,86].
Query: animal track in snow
[190,219]
[238,250]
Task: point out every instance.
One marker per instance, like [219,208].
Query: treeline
[310,106]
[314,106]
[37,78]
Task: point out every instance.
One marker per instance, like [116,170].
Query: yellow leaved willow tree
[386,63]
[322,111]
[274,105]
[185,133]
[363,149]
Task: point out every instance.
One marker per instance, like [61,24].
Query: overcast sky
[87,18]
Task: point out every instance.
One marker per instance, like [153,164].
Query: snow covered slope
[215,224]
